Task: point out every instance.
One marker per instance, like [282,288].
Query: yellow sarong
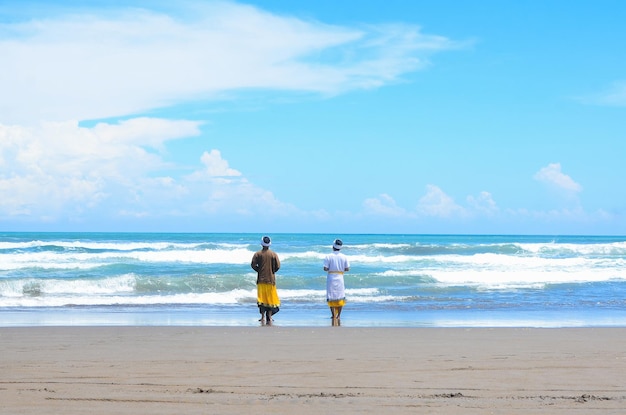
[267,296]
[337,303]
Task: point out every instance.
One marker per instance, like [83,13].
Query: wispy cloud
[91,65]
[614,95]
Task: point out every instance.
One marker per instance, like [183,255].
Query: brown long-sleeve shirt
[265,263]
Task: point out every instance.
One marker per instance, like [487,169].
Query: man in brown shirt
[265,262]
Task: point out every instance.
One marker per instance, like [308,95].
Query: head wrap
[266,241]
[337,244]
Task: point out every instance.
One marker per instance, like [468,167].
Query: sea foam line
[233,297]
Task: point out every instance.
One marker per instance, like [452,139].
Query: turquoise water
[395,280]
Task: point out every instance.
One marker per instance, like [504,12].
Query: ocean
[205,279]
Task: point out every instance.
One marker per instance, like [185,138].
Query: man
[266,263]
[335,265]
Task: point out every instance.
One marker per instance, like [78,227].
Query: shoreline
[354,316]
[307,370]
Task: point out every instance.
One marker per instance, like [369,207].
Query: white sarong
[335,287]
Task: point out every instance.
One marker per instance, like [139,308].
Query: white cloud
[216,166]
[552,175]
[243,198]
[62,171]
[55,166]
[483,203]
[438,204]
[89,66]
[434,204]
[383,205]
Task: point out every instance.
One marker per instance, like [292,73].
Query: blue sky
[499,117]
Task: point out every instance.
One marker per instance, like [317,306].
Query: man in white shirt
[335,265]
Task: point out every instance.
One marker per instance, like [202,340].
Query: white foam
[113,246]
[84,260]
[119,290]
[612,248]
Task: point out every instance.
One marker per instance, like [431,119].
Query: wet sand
[315,370]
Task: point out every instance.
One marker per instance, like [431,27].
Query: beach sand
[319,370]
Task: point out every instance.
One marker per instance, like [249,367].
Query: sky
[409,117]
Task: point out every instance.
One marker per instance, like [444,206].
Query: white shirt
[336,262]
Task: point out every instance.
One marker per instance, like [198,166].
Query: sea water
[394,281]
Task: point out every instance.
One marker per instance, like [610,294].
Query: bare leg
[338,314]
